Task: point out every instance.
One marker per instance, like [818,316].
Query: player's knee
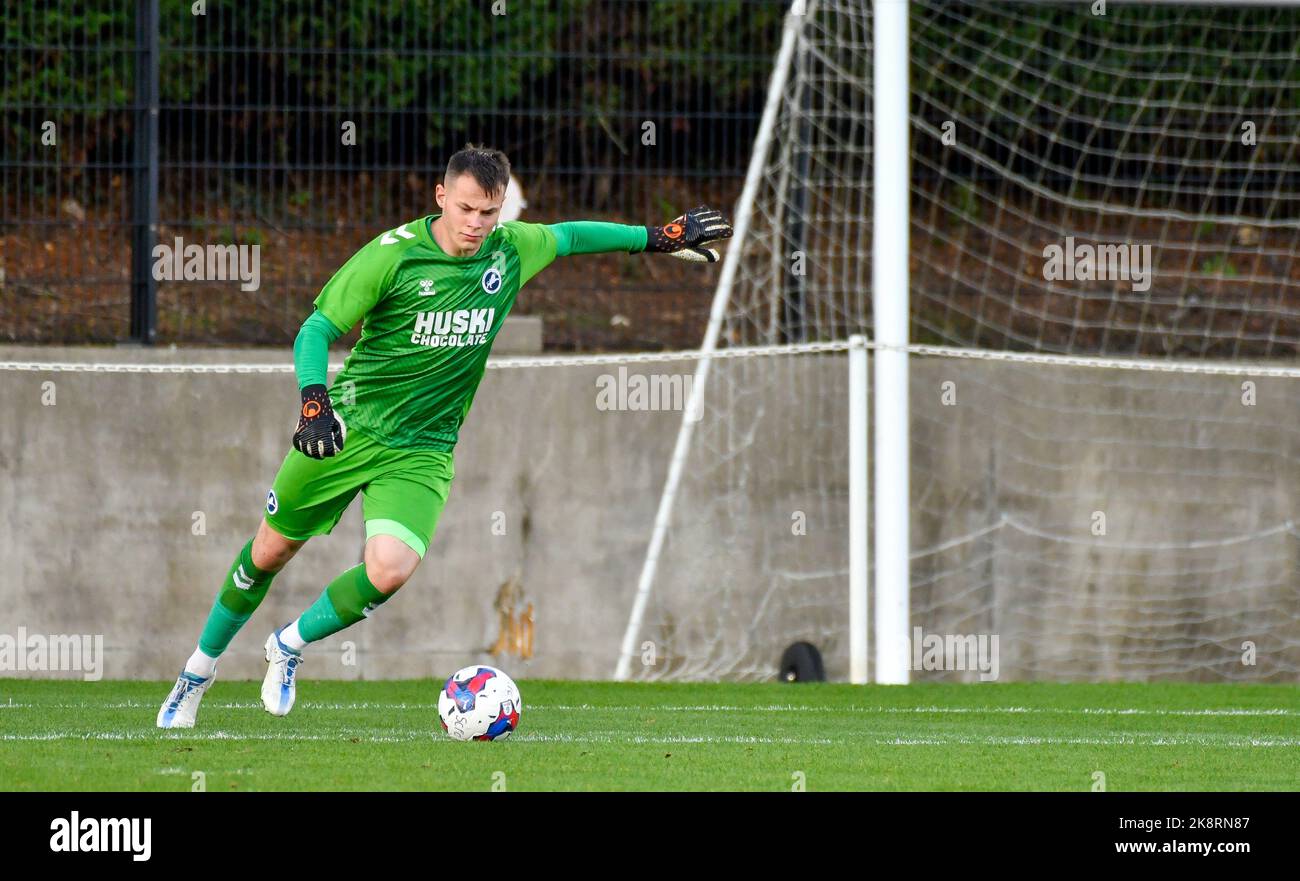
[389,563]
[386,576]
[386,579]
[271,550]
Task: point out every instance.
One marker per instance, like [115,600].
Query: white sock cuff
[200,664]
[291,638]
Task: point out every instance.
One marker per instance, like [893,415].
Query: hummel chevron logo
[401,231]
[242,581]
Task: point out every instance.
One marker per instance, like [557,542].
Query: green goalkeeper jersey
[429,322]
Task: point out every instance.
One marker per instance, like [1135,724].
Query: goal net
[1104,291]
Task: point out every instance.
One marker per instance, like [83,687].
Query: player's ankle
[291,638]
[201,664]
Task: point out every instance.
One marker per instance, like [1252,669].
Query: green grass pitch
[73,735]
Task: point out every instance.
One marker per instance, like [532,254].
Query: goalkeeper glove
[687,236]
[320,432]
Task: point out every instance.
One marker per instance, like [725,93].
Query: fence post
[144,178]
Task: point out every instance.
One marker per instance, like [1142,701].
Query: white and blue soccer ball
[479,703]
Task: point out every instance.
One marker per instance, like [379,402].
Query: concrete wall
[99,495]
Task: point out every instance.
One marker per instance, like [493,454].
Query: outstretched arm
[596,237]
[684,237]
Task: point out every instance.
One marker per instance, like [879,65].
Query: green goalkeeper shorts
[402,491]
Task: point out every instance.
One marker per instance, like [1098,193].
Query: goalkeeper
[432,295]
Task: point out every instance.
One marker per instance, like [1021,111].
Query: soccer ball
[479,703]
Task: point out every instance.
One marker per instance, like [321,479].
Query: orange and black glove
[320,432]
[687,236]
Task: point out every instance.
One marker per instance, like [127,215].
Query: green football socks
[241,593]
[347,600]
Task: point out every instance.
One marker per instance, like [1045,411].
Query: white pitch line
[609,738]
[621,738]
[1118,740]
[791,708]
[229,705]
[614,738]
[209,735]
[707,708]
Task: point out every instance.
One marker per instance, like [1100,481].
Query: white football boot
[279,685]
[181,706]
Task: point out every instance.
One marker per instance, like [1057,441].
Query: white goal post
[780,72]
[890,293]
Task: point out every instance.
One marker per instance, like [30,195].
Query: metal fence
[307,128]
